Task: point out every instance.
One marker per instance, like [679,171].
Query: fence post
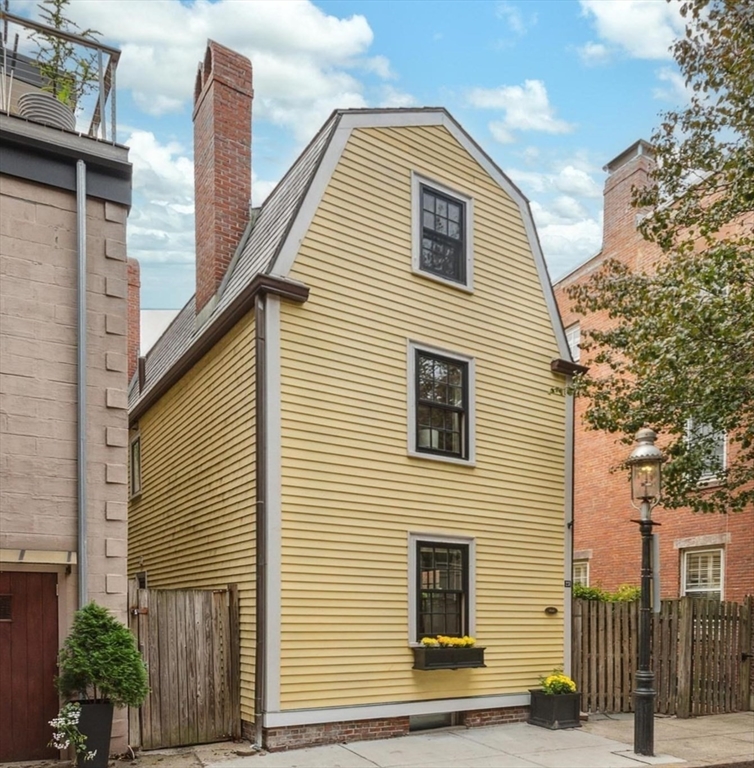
[576,641]
[685,655]
[134,721]
[746,636]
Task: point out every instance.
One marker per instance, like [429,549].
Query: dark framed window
[443,235]
[134,467]
[442,589]
[442,394]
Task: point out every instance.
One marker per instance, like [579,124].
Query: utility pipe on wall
[82,562]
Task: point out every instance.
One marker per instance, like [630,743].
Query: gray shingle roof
[268,233]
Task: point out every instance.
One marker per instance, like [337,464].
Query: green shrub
[624,594]
[99,660]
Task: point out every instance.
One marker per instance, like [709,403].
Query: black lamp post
[645,462]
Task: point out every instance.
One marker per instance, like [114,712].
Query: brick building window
[581,572]
[702,573]
[573,337]
[714,443]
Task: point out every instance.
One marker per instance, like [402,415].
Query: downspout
[570,443]
[260,666]
[82,557]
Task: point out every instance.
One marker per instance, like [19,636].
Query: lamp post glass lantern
[646,485]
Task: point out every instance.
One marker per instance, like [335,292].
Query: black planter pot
[554,711]
[96,723]
[448,658]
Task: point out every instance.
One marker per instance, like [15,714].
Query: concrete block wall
[38,388]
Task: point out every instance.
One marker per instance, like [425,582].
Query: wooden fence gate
[700,655]
[190,643]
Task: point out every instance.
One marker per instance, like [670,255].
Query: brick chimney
[631,168]
[133,316]
[222,163]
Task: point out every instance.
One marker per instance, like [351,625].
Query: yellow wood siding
[194,523]
[351,494]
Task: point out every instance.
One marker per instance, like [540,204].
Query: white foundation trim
[374,711]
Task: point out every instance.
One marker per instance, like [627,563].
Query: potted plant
[68,73]
[101,666]
[556,704]
[442,652]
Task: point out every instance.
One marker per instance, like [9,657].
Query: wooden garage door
[28,664]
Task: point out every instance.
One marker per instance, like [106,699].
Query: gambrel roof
[275,231]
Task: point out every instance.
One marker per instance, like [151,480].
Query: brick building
[699,554]
[64,199]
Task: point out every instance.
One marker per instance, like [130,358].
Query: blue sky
[551,89]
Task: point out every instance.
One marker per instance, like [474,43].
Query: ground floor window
[581,572]
[440,586]
[702,573]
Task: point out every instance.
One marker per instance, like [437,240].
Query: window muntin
[703,573]
[442,229]
[581,572]
[442,589]
[134,467]
[696,430]
[573,337]
[443,235]
[441,404]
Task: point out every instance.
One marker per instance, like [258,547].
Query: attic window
[443,221]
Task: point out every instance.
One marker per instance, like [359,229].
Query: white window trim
[573,575]
[439,538]
[684,555]
[569,331]
[417,346]
[132,494]
[417,180]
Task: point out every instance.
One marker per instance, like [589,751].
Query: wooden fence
[700,655]
[189,641]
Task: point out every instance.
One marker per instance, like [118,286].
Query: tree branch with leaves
[678,352]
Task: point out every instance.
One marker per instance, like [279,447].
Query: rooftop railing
[20,73]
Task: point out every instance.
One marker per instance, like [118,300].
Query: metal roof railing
[19,72]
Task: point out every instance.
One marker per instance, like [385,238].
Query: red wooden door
[28,664]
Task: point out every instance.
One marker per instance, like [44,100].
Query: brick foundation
[477,718]
[298,736]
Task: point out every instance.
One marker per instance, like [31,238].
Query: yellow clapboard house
[353,421]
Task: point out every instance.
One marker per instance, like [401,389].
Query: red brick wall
[134,316]
[602,507]
[298,736]
[222,163]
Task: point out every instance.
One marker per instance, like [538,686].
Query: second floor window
[573,337]
[441,405]
[713,443]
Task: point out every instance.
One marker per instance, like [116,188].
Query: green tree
[681,341]
[69,69]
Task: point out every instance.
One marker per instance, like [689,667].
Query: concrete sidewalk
[604,742]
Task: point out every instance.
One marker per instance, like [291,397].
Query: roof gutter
[214,331]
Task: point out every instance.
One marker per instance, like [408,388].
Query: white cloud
[593,53]
[566,242]
[526,108]
[675,89]
[576,181]
[644,29]
[393,97]
[512,15]
[303,58]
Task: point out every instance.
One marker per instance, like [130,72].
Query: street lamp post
[645,462]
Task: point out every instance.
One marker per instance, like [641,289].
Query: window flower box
[427,657]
